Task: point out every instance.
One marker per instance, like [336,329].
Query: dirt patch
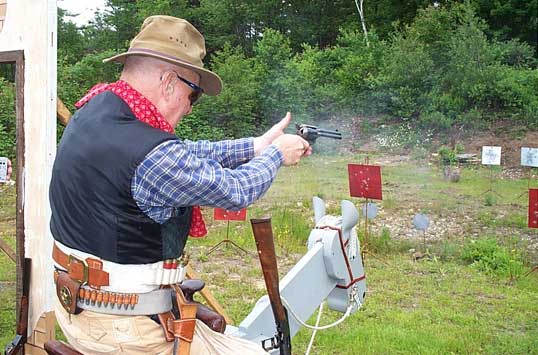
[510,142]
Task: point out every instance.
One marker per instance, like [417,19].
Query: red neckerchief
[146,112]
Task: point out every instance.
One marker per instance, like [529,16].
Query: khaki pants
[95,333]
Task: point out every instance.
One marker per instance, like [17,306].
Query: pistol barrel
[311,133]
[329,133]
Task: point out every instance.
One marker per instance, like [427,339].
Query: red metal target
[221,214]
[533,208]
[365,181]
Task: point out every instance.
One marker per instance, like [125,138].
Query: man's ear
[167,87]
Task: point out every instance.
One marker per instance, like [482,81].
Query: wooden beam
[62,112]
[7,249]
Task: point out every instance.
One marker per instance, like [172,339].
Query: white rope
[309,347]
[348,312]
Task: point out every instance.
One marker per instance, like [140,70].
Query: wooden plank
[21,153]
[7,249]
[62,112]
[43,332]
[30,349]
[208,296]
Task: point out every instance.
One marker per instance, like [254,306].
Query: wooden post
[33,51]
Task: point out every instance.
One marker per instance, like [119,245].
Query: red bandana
[146,112]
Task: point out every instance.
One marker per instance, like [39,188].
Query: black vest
[93,209]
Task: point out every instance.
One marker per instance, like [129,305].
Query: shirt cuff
[275,154]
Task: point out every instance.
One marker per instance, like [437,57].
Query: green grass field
[467,297]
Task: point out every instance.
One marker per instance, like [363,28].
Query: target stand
[491,156]
[226,215]
[365,182]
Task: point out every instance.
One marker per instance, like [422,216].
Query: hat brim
[209,81]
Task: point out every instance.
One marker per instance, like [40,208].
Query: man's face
[183,90]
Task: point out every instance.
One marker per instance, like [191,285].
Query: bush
[408,77]
[383,244]
[436,120]
[7,119]
[235,112]
[447,156]
[74,80]
[490,257]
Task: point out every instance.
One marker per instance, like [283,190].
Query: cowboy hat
[176,41]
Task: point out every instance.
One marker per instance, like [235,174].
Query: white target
[491,155]
[529,157]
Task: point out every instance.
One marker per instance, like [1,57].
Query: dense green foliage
[488,256]
[439,66]
[7,119]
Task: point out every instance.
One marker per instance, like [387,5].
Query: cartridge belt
[103,274]
[126,304]
[107,302]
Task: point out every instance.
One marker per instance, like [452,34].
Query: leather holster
[212,319]
[67,291]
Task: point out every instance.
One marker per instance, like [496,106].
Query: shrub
[490,257]
[235,112]
[436,120]
[7,119]
[447,156]
[490,200]
[382,243]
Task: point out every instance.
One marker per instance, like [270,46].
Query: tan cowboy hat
[176,41]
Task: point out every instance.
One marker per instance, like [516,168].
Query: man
[124,192]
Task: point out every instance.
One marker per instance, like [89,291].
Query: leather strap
[182,328]
[163,319]
[89,271]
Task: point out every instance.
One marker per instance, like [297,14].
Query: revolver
[311,133]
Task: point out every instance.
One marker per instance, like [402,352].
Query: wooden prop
[62,112]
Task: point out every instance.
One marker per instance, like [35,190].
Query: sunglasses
[196,90]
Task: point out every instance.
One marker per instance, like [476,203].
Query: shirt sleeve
[172,176]
[228,153]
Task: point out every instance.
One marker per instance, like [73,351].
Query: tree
[509,19]
[360,9]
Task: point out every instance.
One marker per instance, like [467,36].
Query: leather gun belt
[88,271]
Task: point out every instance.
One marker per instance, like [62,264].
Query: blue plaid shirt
[221,174]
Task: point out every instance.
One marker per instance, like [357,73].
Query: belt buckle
[85,269]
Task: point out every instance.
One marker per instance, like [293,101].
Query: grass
[434,308]
[7,266]
[438,305]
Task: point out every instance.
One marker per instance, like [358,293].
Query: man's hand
[293,148]
[262,142]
